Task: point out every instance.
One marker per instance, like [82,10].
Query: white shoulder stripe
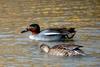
[51,33]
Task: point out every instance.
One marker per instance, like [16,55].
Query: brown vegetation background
[49,13]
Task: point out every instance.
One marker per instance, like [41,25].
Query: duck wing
[72,47]
[54,31]
[69,33]
[50,32]
[58,47]
[67,47]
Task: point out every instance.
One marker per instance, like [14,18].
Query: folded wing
[69,47]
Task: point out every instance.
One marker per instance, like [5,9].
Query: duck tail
[80,52]
[71,30]
[70,33]
[83,54]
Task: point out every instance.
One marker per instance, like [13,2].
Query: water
[17,50]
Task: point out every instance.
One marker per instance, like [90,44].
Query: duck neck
[34,32]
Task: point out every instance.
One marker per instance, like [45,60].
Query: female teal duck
[52,34]
[63,50]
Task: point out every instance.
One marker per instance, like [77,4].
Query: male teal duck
[51,34]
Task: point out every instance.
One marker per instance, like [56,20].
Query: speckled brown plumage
[62,50]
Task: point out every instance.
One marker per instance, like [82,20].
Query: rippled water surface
[17,50]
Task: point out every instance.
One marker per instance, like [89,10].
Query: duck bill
[23,31]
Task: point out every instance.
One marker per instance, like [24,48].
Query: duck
[49,34]
[63,50]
